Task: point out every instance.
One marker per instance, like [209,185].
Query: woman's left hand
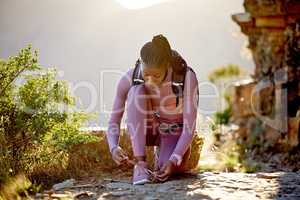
[165,172]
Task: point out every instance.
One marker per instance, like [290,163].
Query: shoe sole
[141,182]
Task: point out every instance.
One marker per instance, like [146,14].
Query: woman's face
[153,75]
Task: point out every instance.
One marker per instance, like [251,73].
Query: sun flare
[138,4]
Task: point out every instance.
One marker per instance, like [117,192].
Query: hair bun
[156,52]
[162,42]
[159,39]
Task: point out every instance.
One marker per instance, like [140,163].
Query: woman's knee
[185,165]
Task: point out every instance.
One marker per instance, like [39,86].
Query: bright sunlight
[138,4]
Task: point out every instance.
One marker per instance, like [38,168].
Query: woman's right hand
[119,155]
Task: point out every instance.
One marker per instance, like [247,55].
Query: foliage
[223,72]
[16,188]
[37,113]
[223,116]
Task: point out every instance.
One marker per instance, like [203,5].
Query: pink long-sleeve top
[187,108]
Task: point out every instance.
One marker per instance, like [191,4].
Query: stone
[65,184]
[121,193]
[119,185]
[271,135]
[293,132]
[275,22]
[243,19]
[207,185]
[264,7]
[244,101]
[272,27]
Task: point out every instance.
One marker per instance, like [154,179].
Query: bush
[221,76]
[223,117]
[38,119]
[224,72]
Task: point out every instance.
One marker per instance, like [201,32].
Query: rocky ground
[207,185]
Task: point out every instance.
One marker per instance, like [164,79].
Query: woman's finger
[120,158]
[163,177]
[123,162]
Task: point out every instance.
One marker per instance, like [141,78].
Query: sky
[93,42]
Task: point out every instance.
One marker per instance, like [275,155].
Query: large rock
[273,29]
[244,100]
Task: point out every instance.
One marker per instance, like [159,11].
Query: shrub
[38,119]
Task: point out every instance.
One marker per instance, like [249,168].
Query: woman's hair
[157,52]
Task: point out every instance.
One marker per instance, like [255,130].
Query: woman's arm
[122,89]
[190,105]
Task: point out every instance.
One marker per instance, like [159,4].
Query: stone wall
[273,30]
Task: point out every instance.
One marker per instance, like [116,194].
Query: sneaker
[140,173]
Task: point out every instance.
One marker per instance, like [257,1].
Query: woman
[156,115]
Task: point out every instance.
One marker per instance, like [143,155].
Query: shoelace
[142,169]
[153,176]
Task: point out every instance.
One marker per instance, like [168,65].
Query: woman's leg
[138,123]
[138,127]
[167,146]
[185,162]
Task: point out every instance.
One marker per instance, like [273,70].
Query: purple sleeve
[190,106]
[118,108]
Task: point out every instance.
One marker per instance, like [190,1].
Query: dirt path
[279,185]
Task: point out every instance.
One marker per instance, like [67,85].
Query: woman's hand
[165,172]
[119,156]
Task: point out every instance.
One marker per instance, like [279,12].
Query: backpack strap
[137,76]
[180,68]
[197,88]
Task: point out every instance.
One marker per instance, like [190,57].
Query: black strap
[136,76]
[177,100]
